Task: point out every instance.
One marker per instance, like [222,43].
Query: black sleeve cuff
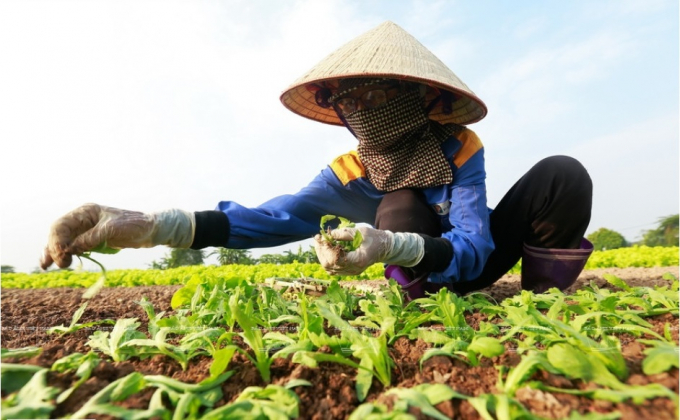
[438,255]
[212,229]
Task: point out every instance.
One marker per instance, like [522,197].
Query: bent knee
[565,168]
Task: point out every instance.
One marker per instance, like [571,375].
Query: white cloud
[542,89]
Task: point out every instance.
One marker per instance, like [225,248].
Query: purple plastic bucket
[415,289]
[543,268]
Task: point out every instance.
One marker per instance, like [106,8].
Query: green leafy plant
[252,335]
[519,374]
[21,352]
[660,356]
[103,401]
[113,343]
[345,246]
[341,299]
[387,314]
[423,397]
[75,326]
[33,401]
[371,351]
[82,364]
[14,376]
[449,309]
[188,399]
[159,345]
[96,287]
[271,402]
[500,406]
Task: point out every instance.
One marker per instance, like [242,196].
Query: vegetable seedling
[346,246]
[75,326]
[32,401]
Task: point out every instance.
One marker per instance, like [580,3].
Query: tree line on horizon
[665,234]
[179,257]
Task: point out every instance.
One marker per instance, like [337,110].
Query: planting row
[576,337]
[624,257]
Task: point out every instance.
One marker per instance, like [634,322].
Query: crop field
[285,342]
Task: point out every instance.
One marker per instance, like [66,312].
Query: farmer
[417,177]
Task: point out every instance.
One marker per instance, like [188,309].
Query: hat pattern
[386,51]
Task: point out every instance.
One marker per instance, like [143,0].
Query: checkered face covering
[399,146]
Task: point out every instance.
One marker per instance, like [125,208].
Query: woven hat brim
[390,52]
[467,109]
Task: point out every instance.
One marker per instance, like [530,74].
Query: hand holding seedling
[92,227]
[340,252]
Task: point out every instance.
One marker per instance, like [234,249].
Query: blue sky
[151,105]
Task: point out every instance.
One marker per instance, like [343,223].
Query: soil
[28,313]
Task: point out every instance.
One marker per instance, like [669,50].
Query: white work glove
[91,225]
[402,249]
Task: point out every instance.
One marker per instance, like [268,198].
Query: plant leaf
[221,359]
[660,358]
[486,346]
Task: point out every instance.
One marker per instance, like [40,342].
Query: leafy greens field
[623,257]
[225,345]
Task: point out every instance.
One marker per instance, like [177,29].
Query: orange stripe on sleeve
[470,145]
[348,167]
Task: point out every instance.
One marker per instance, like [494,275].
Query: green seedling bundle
[345,246]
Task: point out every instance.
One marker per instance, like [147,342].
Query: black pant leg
[407,211]
[549,207]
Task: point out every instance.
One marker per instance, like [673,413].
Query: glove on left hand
[402,249]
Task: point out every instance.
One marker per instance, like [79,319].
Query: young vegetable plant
[272,402]
[341,299]
[33,401]
[500,406]
[252,335]
[449,309]
[346,246]
[74,326]
[371,351]
[119,390]
[159,345]
[21,352]
[113,343]
[96,287]
[91,292]
[660,357]
[480,346]
[82,364]
[387,314]
[187,400]
[423,397]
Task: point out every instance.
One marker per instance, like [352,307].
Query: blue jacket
[343,189]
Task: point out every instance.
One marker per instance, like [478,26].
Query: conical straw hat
[385,51]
